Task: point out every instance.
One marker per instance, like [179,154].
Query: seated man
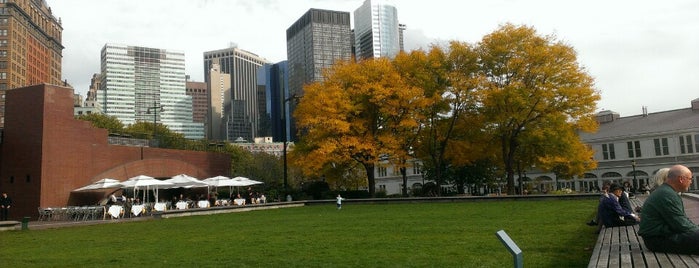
[624,201]
[665,226]
[610,211]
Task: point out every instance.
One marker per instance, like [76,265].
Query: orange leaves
[359,110]
[516,90]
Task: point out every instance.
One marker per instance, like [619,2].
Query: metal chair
[45,214]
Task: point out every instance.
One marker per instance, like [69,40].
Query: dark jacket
[612,214]
[5,201]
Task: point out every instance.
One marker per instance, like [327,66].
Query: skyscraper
[30,46]
[376,30]
[242,67]
[146,84]
[401,34]
[219,87]
[200,100]
[314,42]
[276,86]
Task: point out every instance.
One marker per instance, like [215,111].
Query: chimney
[695,104]
[606,116]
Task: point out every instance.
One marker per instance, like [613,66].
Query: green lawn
[550,233]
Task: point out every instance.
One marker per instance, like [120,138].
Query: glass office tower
[376,30]
[314,42]
[146,84]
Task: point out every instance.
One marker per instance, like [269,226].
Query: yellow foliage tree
[359,112]
[448,78]
[533,89]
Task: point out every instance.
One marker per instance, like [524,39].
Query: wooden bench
[623,247]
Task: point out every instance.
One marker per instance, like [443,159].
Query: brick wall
[46,153]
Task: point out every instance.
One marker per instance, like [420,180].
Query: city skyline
[641,53]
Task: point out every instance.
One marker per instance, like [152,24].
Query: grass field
[550,234]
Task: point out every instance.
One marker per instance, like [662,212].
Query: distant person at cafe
[665,226]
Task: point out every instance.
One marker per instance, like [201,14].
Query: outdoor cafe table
[222,202]
[115,211]
[159,207]
[181,205]
[137,209]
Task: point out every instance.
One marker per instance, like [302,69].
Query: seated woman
[611,213]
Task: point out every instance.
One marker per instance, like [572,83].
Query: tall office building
[219,87]
[146,84]
[376,30]
[91,98]
[314,42]
[200,100]
[401,34]
[243,116]
[275,81]
[30,46]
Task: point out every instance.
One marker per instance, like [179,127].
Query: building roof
[672,121]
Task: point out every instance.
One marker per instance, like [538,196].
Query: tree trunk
[509,149]
[405,180]
[370,179]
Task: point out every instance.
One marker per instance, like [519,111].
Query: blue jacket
[612,214]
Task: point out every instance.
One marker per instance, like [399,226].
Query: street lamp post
[633,167]
[285,139]
[155,109]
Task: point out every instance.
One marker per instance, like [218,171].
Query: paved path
[38,225]
[691,205]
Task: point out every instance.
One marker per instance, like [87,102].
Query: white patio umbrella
[144,181]
[243,181]
[218,181]
[105,183]
[183,180]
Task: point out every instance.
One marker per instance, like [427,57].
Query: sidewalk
[691,206]
[40,225]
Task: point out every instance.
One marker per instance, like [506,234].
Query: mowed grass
[550,233]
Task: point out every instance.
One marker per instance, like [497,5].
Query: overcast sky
[641,53]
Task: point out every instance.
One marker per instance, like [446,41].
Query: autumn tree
[448,78]
[111,123]
[166,137]
[358,112]
[346,176]
[532,87]
[259,166]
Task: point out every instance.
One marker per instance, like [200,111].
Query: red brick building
[45,153]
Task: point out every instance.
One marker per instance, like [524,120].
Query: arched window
[589,176]
[639,173]
[544,178]
[611,175]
